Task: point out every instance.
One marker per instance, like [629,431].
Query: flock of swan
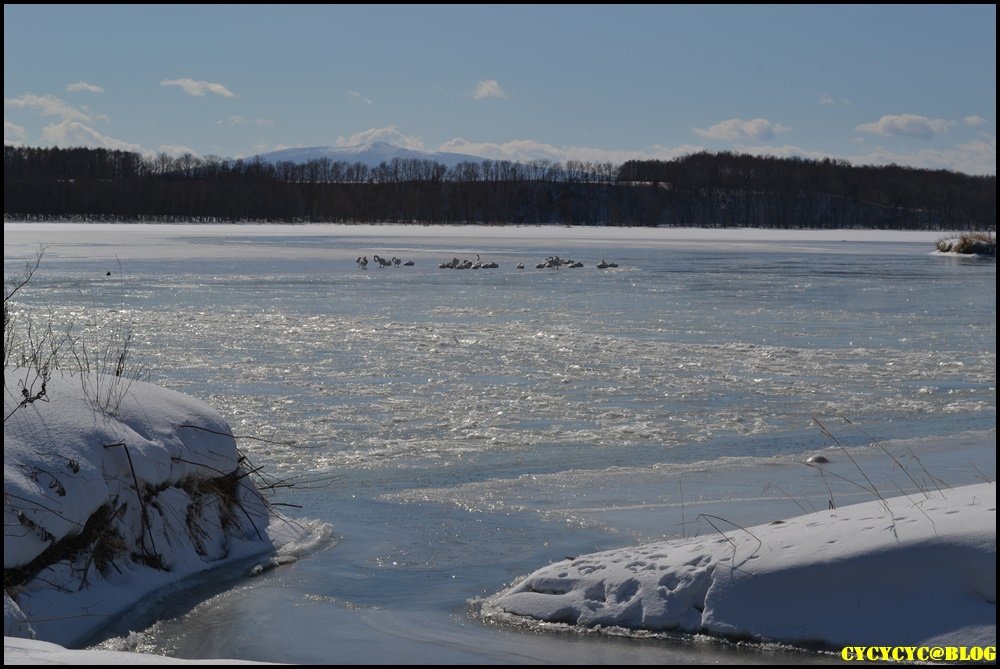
[552,262]
[362,261]
[555,262]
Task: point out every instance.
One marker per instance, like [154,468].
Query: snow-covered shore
[29,651]
[910,570]
[114,489]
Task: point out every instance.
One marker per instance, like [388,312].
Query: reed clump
[978,243]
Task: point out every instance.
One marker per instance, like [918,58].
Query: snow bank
[28,651]
[113,490]
[918,570]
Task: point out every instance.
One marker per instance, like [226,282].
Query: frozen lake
[463,427]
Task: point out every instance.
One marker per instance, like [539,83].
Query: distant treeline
[700,190]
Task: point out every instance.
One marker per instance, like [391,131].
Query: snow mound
[28,651]
[917,570]
[114,489]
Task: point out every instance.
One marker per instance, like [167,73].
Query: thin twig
[793,500]
[142,503]
[683,523]
[873,489]
[732,543]
[237,436]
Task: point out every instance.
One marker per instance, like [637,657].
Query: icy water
[459,428]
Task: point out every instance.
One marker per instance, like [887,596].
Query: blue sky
[907,84]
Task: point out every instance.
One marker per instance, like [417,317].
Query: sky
[913,85]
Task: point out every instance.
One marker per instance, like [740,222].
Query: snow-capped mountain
[369,154]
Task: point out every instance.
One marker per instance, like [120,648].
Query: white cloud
[48,105]
[974,121]
[517,150]
[13,133]
[524,150]
[73,133]
[358,97]
[242,120]
[488,88]
[73,128]
[976,157]
[828,100]
[784,151]
[176,150]
[389,134]
[84,87]
[193,87]
[660,152]
[906,125]
[735,129]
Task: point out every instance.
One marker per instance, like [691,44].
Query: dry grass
[35,346]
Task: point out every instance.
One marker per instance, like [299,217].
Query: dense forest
[700,190]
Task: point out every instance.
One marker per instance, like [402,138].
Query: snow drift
[105,502]
[917,570]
